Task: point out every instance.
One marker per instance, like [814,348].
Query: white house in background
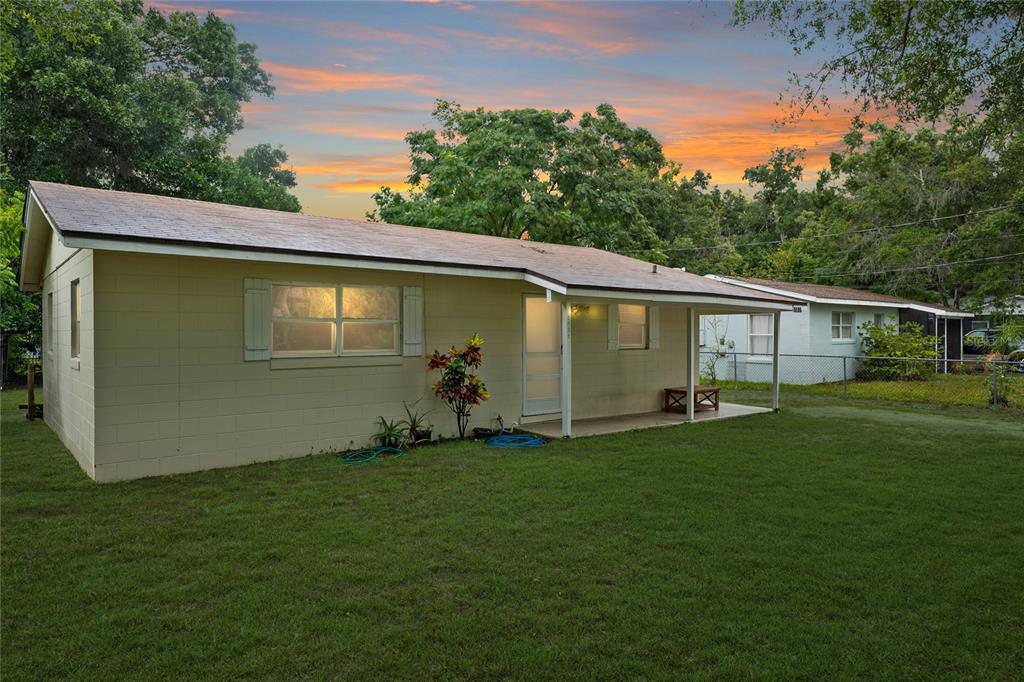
[182,335]
[826,325]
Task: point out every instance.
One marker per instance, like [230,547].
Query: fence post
[735,371]
[995,386]
[844,376]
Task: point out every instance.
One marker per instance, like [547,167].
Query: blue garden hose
[516,441]
[370,454]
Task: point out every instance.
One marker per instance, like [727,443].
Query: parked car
[977,341]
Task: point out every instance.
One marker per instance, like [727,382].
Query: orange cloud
[304,79]
[356,131]
[170,6]
[357,173]
[598,37]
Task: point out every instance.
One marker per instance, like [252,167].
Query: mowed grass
[834,539]
[948,390]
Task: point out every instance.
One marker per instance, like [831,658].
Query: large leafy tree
[103,93]
[531,173]
[929,214]
[926,59]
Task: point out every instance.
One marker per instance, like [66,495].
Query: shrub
[459,389]
[886,347]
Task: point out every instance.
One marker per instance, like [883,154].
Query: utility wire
[852,273]
[823,236]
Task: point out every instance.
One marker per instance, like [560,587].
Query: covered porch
[582,411]
[597,426]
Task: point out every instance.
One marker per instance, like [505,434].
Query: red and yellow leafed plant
[457,387]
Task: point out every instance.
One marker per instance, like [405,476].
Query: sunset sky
[353,78]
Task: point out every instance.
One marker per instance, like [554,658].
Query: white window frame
[643,326]
[880,320]
[975,325]
[839,326]
[770,334]
[339,321]
[75,344]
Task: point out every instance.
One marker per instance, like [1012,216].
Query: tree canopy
[527,172]
[103,93]
[927,59]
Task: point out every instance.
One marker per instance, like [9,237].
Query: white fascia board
[837,301]
[709,300]
[303,259]
[761,287]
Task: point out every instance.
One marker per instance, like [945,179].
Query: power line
[823,236]
[892,270]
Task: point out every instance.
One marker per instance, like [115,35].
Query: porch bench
[704,398]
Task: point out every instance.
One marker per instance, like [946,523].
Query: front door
[542,356]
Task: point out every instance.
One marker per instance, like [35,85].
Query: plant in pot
[416,425]
[390,434]
[457,387]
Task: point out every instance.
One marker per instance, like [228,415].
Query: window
[761,334]
[76,319]
[842,326]
[330,320]
[979,324]
[632,326]
[880,320]
[51,329]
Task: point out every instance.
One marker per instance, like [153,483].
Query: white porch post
[566,393]
[691,363]
[776,317]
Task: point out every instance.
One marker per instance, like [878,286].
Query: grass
[832,540]
[948,390]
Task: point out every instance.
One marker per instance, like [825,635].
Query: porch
[634,422]
[618,354]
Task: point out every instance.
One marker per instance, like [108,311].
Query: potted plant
[391,434]
[416,425]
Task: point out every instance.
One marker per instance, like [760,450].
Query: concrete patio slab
[633,422]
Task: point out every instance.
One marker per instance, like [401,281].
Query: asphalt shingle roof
[135,217]
[834,292]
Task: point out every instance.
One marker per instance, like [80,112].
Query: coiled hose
[370,454]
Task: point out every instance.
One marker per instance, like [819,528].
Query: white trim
[721,303]
[462,271]
[942,312]
[566,395]
[302,259]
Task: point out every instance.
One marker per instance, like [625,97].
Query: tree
[20,323]
[526,173]
[101,93]
[926,214]
[927,60]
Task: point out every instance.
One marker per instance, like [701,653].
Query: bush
[886,346]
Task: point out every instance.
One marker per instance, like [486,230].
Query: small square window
[842,326]
[632,326]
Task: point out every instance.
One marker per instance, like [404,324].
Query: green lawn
[948,390]
[831,540]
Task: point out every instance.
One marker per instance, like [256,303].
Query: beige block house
[182,335]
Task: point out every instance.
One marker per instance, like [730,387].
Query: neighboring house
[183,335]
[826,325]
[983,320]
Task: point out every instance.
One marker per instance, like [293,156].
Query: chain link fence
[984,383]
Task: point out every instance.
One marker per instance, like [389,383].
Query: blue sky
[352,78]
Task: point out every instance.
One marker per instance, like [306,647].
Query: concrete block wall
[68,384]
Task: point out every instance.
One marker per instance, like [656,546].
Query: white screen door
[542,356]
